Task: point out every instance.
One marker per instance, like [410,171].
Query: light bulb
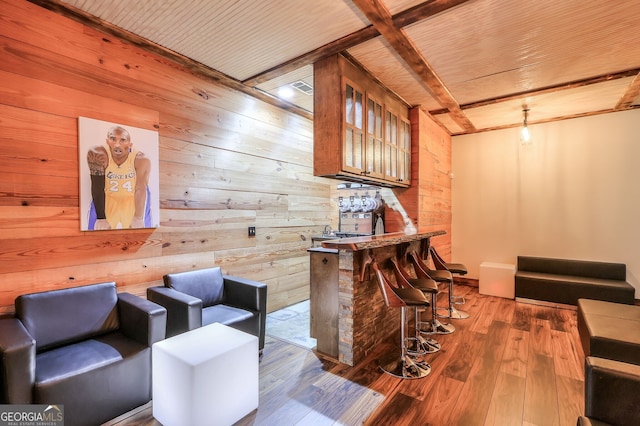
[525,136]
[285,92]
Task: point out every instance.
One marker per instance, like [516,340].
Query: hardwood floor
[510,363]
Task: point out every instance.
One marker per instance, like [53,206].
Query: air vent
[303,87]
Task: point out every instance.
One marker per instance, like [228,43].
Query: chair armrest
[184,312]
[18,362]
[612,391]
[140,319]
[244,293]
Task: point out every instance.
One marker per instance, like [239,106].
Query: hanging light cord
[525,137]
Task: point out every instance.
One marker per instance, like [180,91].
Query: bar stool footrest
[452,313]
[458,300]
[404,368]
[436,327]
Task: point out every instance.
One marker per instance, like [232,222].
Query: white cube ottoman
[206,376]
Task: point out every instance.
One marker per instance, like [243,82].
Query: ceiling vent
[303,87]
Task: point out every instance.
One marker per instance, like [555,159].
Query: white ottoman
[497,279]
[207,376]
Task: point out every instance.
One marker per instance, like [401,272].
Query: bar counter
[361,320]
[377,241]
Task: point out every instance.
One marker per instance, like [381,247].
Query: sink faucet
[327,230]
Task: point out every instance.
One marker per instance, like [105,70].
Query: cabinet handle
[325,261]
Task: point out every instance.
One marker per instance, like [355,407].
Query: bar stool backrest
[438,262]
[419,266]
[402,276]
[391,299]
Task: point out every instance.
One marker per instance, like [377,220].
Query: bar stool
[422,271]
[438,275]
[454,268]
[426,286]
[452,312]
[403,366]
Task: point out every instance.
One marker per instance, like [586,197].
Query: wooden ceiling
[473,64]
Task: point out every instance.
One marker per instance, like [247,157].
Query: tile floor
[291,324]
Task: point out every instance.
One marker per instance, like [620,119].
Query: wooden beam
[632,93]
[546,120]
[424,10]
[380,17]
[315,55]
[407,17]
[549,89]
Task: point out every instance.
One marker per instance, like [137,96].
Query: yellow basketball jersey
[119,189]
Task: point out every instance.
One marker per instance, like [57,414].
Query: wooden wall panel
[428,201]
[227,161]
[38,222]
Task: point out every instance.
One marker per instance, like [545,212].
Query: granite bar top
[376,241]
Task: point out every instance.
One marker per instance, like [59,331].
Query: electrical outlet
[252,231]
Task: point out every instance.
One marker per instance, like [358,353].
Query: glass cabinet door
[353,154]
[375,142]
[404,153]
[391,146]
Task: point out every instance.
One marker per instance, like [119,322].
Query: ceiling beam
[546,120]
[632,93]
[380,17]
[407,17]
[555,88]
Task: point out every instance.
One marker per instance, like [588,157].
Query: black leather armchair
[87,348]
[612,393]
[204,296]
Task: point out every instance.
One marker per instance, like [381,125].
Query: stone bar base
[364,321]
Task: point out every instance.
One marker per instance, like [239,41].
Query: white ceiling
[560,58]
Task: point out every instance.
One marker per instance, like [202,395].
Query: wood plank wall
[426,205]
[227,161]
[431,169]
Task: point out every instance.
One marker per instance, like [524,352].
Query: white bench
[497,279]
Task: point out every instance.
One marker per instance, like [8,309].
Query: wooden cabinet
[362,131]
[323,299]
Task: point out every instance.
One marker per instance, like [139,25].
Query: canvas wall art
[119,179]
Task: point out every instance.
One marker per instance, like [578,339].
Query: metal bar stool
[425,285]
[454,268]
[403,365]
[422,271]
[440,265]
